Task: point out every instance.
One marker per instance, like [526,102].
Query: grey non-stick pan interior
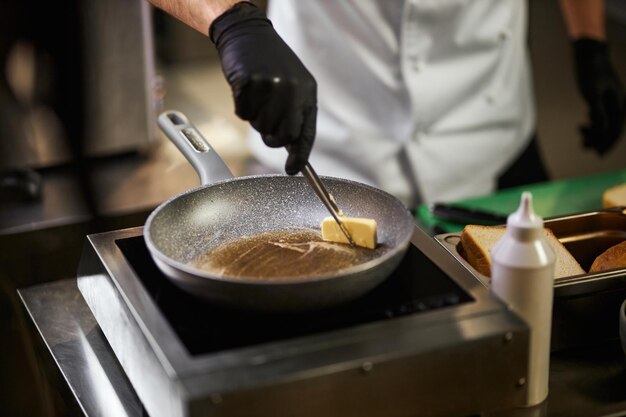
[225,209]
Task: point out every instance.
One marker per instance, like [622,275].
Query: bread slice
[612,258]
[478,241]
[614,196]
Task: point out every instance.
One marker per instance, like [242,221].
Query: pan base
[282,255]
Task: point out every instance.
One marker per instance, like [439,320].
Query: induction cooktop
[430,337]
[205,328]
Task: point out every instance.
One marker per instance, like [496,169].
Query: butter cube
[362,231]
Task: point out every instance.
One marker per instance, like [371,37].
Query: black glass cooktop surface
[416,286]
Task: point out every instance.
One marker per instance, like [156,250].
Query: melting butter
[362,231]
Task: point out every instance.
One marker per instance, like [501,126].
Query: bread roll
[478,241]
[614,196]
[612,258]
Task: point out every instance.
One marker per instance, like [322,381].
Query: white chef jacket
[429,100]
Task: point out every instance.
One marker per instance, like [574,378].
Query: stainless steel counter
[583,382]
[80,350]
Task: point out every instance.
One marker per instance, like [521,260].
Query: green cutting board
[550,199]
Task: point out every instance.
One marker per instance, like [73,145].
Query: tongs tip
[327,198]
[345,231]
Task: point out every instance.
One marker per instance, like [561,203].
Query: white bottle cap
[524,223]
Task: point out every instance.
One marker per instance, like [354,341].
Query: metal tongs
[329,201]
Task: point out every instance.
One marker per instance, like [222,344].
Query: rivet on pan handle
[196,149]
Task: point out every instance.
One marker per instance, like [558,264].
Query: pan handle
[190,142]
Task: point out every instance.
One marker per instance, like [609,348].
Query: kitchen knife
[465,215]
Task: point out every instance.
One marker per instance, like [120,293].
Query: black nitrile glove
[603,92]
[271,87]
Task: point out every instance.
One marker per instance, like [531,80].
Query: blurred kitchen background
[81,85]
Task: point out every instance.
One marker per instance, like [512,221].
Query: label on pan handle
[195,139]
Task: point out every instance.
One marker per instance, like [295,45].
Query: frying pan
[225,209]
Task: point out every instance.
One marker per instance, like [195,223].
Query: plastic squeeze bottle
[522,275]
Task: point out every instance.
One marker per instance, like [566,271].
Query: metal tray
[586,307]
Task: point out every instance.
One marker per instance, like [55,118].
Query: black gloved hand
[271,87]
[603,92]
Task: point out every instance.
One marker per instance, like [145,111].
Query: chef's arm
[199,14]
[271,87]
[584,19]
[596,79]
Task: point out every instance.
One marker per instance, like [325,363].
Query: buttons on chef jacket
[503,35]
